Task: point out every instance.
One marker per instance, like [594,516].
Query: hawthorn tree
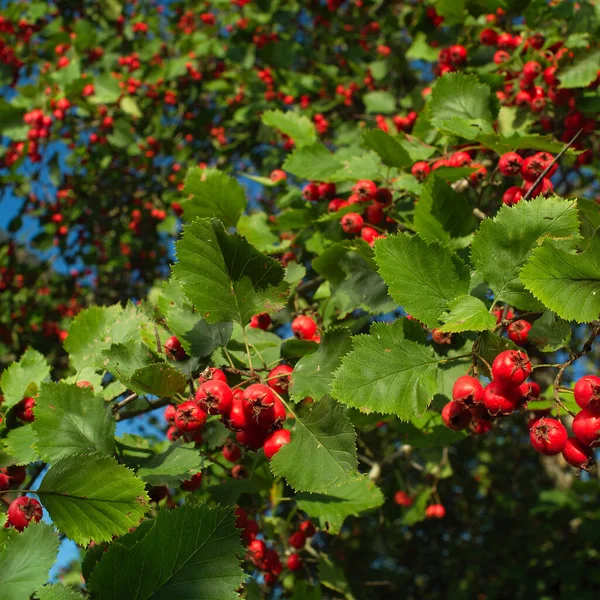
[369,367]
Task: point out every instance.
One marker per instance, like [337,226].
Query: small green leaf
[130,107]
[389,149]
[20,446]
[312,162]
[23,378]
[581,73]
[299,127]
[549,332]
[57,591]
[467,313]
[255,228]
[380,102]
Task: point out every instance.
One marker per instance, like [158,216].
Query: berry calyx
[511,368]
[22,511]
[189,416]
[510,164]
[420,170]
[548,436]
[261,321]
[519,331]
[278,378]
[275,442]
[258,403]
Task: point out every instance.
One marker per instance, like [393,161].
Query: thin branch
[124,402]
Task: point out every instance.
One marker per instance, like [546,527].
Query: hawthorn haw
[518,331]
[297,540]
[189,416]
[275,442]
[420,170]
[261,321]
[304,327]
[587,393]
[548,436]
[278,378]
[294,562]
[456,416]
[402,498]
[307,528]
[512,195]
[231,452]
[510,164]
[210,374]
[577,454]
[511,368]
[365,189]
[24,410]
[174,349]
[586,427]
[435,511]
[352,222]
[468,390]
[252,436]
[170,412]
[22,511]
[499,400]
[192,484]
[214,397]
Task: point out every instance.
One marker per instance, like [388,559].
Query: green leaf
[71,419]
[348,499]
[57,591]
[467,313]
[313,374]
[106,89]
[366,166]
[95,329]
[189,552]
[567,283]
[422,278]
[255,228]
[92,497]
[312,162]
[224,276]
[264,348]
[298,127]
[322,450]
[25,561]
[549,332]
[516,141]
[416,512]
[581,73]
[387,373]
[380,102]
[20,445]
[22,378]
[421,50]
[130,107]
[165,464]
[391,152]
[461,103]
[503,244]
[213,194]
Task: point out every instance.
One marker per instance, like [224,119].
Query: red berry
[192,484]
[499,400]
[307,528]
[352,223]
[467,390]
[511,368]
[402,498]
[512,195]
[174,349]
[256,551]
[275,442]
[519,331]
[458,55]
[510,164]
[170,412]
[252,436]
[214,397]
[297,540]
[278,378]
[212,373]
[586,427]
[239,472]
[435,511]
[304,327]
[365,189]
[578,454]
[369,235]
[531,70]
[189,416]
[261,321]
[311,192]
[258,403]
[327,190]
[456,416]
[22,511]
[24,410]
[532,168]
[587,393]
[548,436]
[236,419]
[294,562]
[420,170]
[231,452]
[459,159]
[488,37]
[543,188]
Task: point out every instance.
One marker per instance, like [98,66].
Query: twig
[151,406]
[124,402]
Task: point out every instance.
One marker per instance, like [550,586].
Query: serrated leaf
[322,450]
[422,278]
[225,277]
[348,499]
[567,283]
[312,162]
[390,151]
[189,552]
[510,143]
[298,127]
[92,497]
[213,194]
[20,446]
[467,313]
[294,348]
[549,332]
[255,229]
[57,591]
[313,374]
[503,244]
[366,166]
[387,373]
[25,561]
[71,419]
[379,102]
[23,377]
[581,73]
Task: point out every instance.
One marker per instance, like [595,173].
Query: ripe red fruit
[352,223]
[383,196]
[548,436]
[252,436]
[297,540]
[456,416]
[24,410]
[22,511]
[365,189]
[307,528]
[261,321]
[586,427]
[420,170]
[512,195]
[311,192]
[519,331]
[239,472]
[510,164]
[532,168]
[458,54]
[369,235]
[170,413]
[258,403]
[231,452]
[189,416]
[435,511]
[236,419]
[459,159]
[214,397]
[531,70]
[578,454]
[402,498]
[499,400]
[279,415]
[327,190]
[488,37]
[174,349]
[511,368]
[543,188]
[192,484]
[468,390]
[304,327]
[336,204]
[294,562]
[210,374]
[256,551]
[587,393]
[278,378]
[275,442]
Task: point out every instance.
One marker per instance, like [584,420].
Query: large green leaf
[567,283]
[312,162]
[503,244]
[467,313]
[389,149]
[348,499]
[189,552]
[299,127]
[22,378]
[92,497]
[322,450]
[313,373]
[25,561]
[387,373]
[213,194]
[71,419]
[422,278]
[581,73]
[225,277]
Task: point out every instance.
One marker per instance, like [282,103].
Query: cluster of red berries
[451,59]
[512,164]
[456,160]
[433,511]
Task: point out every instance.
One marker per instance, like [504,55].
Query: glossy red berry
[192,484]
[214,397]
[365,189]
[532,168]
[488,37]
[297,540]
[261,321]
[294,562]
[252,436]
[531,70]
[510,164]
[458,55]
[327,191]
[435,511]
[231,452]
[518,331]
[578,454]
[548,436]
[170,413]
[189,416]
[237,418]
[511,368]
[460,159]
[210,374]
[587,393]
[402,498]
[352,223]
[311,192]
[456,416]
[420,170]
[278,378]
[258,403]
[257,550]
[467,390]
[586,427]
[24,410]
[383,196]
[304,327]
[499,400]
[174,349]
[22,511]
[275,442]
[512,195]
[307,528]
